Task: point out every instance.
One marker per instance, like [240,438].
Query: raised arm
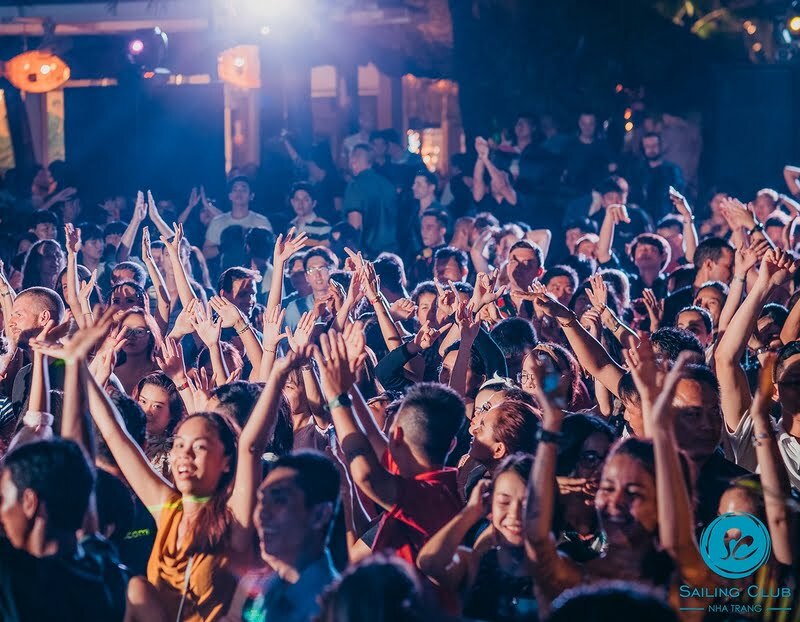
[744,261]
[469,327]
[163,300]
[774,479]
[478,182]
[285,247]
[73,246]
[615,214]
[232,317]
[209,332]
[194,200]
[253,441]
[173,248]
[791,175]
[365,466]
[158,221]
[500,180]
[598,296]
[129,236]
[689,230]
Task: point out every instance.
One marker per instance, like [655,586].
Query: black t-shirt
[89,586]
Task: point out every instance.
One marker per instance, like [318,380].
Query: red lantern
[37,71]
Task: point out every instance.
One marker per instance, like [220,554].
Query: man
[432,231]
[240,196]
[92,248]
[366,125]
[33,308]
[238,286]
[45,488]
[588,158]
[370,204]
[424,191]
[650,254]
[713,261]
[297,504]
[450,264]
[44,224]
[318,263]
[653,177]
[301,198]
[501,199]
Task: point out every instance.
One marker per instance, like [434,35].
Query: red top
[424,505]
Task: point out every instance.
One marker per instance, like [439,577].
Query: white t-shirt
[738,446]
[223,221]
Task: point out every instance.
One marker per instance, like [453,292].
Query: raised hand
[647,372]
[171,361]
[194,199]
[370,282]
[78,347]
[680,203]
[73,238]
[468,325]
[482,147]
[173,246]
[336,377]
[479,503]
[445,301]
[737,214]
[592,322]
[598,292]
[336,295]
[207,329]
[273,320]
[288,245]
[140,209]
[355,344]
[427,335]
[618,213]
[545,302]
[354,261]
[227,311]
[484,292]
[293,360]
[402,309]
[183,323]
[777,267]
[655,309]
[745,258]
[302,333]
[147,254]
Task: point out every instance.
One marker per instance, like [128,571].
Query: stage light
[749,27]
[265,30]
[148,49]
[238,62]
[37,71]
[629,127]
[136,46]
[628,113]
[239,66]
[794,24]
[757,47]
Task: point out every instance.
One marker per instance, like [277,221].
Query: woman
[43,263]
[565,364]
[163,408]
[137,358]
[586,440]
[127,295]
[492,579]
[205,520]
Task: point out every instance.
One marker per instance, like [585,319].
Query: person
[45,488]
[449,265]
[318,264]
[44,225]
[500,199]
[240,195]
[561,281]
[697,321]
[304,203]
[424,192]
[297,504]
[490,578]
[587,157]
[140,338]
[163,409]
[43,263]
[366,125]
[432,231]
[370,204]
[654,176]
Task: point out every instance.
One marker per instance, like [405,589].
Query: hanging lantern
[36,71]
[239,66]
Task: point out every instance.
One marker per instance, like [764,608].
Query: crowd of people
[520,393]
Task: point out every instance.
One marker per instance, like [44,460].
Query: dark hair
[115,506]
[531,246]
[237,399]
[575,429]
[784,354]
[584,266]
[486,219]
[671,341]
[566,362]
[379,588]
[175,405]
[670,221]
[560,270]
[95,297]
[260,242]
[516,427]
[711,249]
[428,176]
[391,272]
[654,240]
[609,184]
[476,363]
[718,285]
[751,485]
[305,187]
[426,287]
[32,265]
[116,227]
[139,274]
[514,336]
[776,312]
[620,282]
[519,463]
[90,231]
[212,522]
[44,217]
[317,477]
[586,225]
[57,471]
[204,356]
[236,273]
[431,416]
[774,221]
[614,601]
[47,299]
[440,215]
[446,253]
[391,135]
[239,178]
[325,253]
[704,315]
[651,135]
[134,420]
[140,293]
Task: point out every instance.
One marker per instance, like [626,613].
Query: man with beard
[652,178]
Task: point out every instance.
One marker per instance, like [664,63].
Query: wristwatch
[759,226]
[545,436]
[340,401]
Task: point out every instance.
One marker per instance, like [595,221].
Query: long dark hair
[32,267]
[176,409]
[211,526]
[95,297]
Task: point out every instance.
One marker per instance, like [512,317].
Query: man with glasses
[318,264]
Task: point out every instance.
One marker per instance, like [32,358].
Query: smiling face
[485,448]
[154,401]
[243,295]
[626,501]
[197,458]
[508,496]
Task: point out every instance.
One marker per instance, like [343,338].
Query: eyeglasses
[590,458]
[138,332]
[313,271]
[525,378]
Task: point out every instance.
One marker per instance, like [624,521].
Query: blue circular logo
[735,545]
